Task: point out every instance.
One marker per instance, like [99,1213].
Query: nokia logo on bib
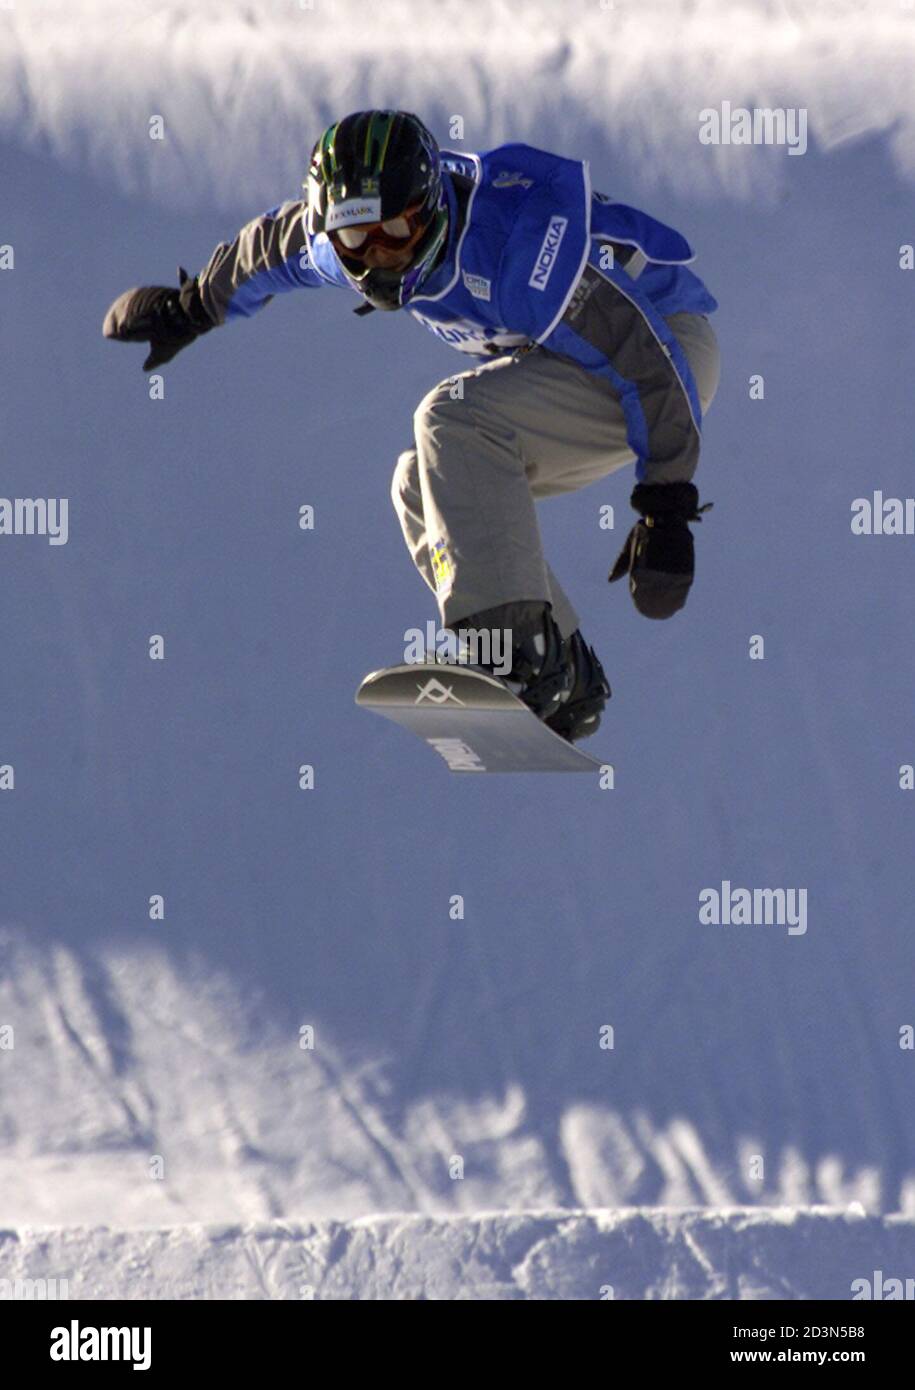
[548,253]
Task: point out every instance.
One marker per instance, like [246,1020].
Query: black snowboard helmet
[375,189]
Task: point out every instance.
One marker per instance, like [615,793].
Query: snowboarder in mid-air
[602,354]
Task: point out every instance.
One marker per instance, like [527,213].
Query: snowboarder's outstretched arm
[268,257]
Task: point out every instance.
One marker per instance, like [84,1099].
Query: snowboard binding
[541,672]
[559,679]
[579,715]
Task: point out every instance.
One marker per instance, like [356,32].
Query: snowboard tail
[470,718]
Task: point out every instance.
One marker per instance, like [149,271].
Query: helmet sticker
[352,210]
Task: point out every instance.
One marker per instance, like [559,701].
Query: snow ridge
[630,1254]
[243,89]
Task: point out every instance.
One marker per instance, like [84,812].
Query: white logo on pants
[546,257]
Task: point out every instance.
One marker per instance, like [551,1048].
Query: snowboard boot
[579,713]
[541,670]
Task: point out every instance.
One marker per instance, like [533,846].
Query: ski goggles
[401,233]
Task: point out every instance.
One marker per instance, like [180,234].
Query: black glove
[658,553]
[166,318]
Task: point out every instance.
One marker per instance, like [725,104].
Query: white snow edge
[640,1253]
[242,88]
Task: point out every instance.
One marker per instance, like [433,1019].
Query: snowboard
[471,719]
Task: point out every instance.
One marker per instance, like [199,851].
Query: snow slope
[749,1066]
[141,1095]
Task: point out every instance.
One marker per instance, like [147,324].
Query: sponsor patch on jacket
[512,178]
[478,285]
[549,250]
[352,210]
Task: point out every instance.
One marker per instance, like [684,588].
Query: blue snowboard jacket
[534,232]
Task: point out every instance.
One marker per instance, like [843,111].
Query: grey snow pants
[492,442]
